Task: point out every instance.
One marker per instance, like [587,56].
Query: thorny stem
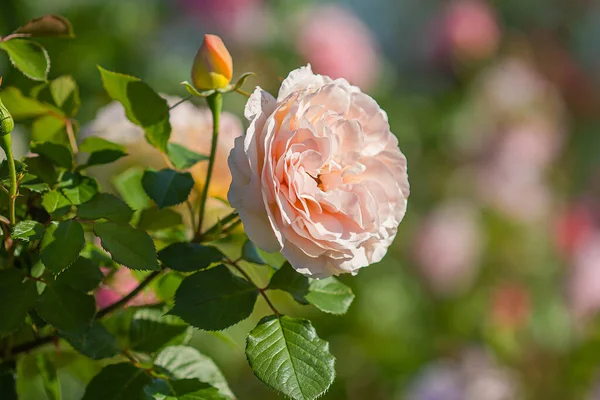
[6,144]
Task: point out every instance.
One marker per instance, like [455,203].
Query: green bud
[6,121]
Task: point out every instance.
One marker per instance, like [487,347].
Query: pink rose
[318,175]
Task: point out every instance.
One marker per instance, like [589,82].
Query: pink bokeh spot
[121,283]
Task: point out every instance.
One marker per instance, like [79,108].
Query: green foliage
[154,219]
[183,158]
[17,297]
[8,386]
[288,356]
[56,203]
[287,279]
[128,246]
[167,187]
[96,343]
[250,253]
[28,230]
[28,57]
[47,26]
[105,206]
[83,274]
[129,185]
[65,308]
[214,299]
[61,244]
[189,257]
[330,295]
[78,189]
[150,330]
[117,382]
[185,389]
[101,151]
[48,373]
[55,153]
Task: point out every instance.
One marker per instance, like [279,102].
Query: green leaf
[96,343]
[47,371]
[46,26]
[184,362]
[167,187]
[287,279]
[22,107]
[83,275]
[330,295]
[17,297]
[214,299]
[101,151]
[242,79]
[33,183]
[117,382]
[65,94]
[57,154]
[143,106]
[288,356]
[41,168]
[77,188]
[192,90]
[129,186]
[250,253]
[189,257]
[184,389]
[50,128]
[8,383]
[183,158]
[28,230]
[56,203]
[61,244]
[20,169]
[128,246]
[28,57]
[105,206]
[65,308]
[153,219]
[150,330]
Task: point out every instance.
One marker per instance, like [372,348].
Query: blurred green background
[491,288]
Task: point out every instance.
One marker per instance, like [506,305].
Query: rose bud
[212,67]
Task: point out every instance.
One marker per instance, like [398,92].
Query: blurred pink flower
[448,247]
[584,283]
[340,45]
[573,226]
[121,283]
[511,305]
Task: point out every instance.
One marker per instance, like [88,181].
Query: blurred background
[492,287]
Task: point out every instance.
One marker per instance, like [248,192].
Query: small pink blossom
[121,283]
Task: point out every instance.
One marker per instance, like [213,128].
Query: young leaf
[65,94]
[117,382]
[128,246]
[153,219]
[184,389]
[83,275]
[77,188]
[330,295]
[184,362]
[150,330]
[250,253]
[56,203]
[65,308]
[189,257]
[28,230]
[57,154]
[61,244]
[105,206]
[101,151]
[22,107]
[287,279]
[17,297]
[167,187]
[143,106]
[28,57]
[129,186]
[50,128]
[48,25]
[214,299]
[288,356]
[96,343]
[183,158]
[48,373]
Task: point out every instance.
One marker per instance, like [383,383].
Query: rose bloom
[318,175]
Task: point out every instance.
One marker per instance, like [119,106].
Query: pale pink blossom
[584,283]
[318,175]
[338,44]
[120,284]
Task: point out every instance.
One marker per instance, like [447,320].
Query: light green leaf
[65,94]
[214,299]
[184,362]
[189,257]
[128,246]
[33,183]
[192,90]
[67,309]
[17,297]
[56,203]
[28,57]
[153,219]
[143,106]
[105,206]
[96,343]
[184,389]
[101,151]
[129,186]
[150,330]
[330,295]
[83,275]
[182,157]
[250,253]
[22,107]
[48,26]
[57,154]
[117,382]
[61,244]
[288,356]
[242,79]
[47,371]
[167,187]
[78,189]
[287,279]
[50,128]
[28,230]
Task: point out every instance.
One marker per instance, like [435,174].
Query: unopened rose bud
[6,121]
[212,67]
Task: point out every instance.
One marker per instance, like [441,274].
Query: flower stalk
[6,126]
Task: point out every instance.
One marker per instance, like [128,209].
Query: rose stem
[6,144]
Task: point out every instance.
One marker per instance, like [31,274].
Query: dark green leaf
[106,206]
[214,299]
[167,187]
[288,356]
[77,188]
[330,295]
[61,244]
[153,219]
[184,362]
[56,203]
[17,297]
[287,279]
[8,383]
[22,107]
[65,94]
[28,230]
[33,183]
[117,382]
[150,330]
[67,309]
[188,257]
[97,343]
[250,253]
[28,57]
[182,157]
[47,371]
[57,154]
[48,25]
[185,389]
[41,168]
[143,106]
[20,169]
[83,275]
[129,186]
[101,151]
[128,246]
